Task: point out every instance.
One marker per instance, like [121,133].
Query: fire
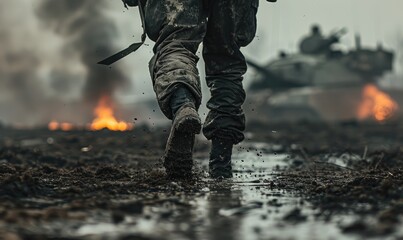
[64,126]
[53,126]
[376,104]
[105,118]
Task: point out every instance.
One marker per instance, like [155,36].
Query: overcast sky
[282,24]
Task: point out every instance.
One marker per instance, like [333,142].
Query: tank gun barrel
[258,67]
[339,33]
[273,80]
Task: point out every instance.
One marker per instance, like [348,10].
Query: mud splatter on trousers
[178,27]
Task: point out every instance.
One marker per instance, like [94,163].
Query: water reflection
[246,207]
[223,196]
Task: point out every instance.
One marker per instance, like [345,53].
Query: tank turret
[320,83]
[330,68]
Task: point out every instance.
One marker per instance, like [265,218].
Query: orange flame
[53,126]
[64,126]
[376,104]
[105,118]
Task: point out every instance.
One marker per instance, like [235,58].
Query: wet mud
[300,181]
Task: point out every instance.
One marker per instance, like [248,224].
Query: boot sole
[178,160]
[189,125]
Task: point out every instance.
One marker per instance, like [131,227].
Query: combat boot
[186,124]
[220,158]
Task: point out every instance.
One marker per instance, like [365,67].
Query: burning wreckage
[327,86]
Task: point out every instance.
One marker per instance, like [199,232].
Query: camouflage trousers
[178,27]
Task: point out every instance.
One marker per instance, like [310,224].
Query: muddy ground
[299,181]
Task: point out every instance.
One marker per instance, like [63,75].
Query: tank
[326,86]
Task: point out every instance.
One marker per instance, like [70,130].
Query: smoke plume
[48,55]
[20,88]
[89,34]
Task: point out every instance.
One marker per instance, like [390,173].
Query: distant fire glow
[376,104]
[53,125]
[104,119]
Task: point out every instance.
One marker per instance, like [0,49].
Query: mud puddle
[253,208]
[246,207]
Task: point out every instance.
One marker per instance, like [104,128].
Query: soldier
[178,27]
[316,43]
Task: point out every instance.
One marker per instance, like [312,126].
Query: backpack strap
[133,47]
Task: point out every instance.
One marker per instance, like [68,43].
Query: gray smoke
[89,34]
[20,90]
[48,55]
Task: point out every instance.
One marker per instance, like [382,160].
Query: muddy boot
[178,160]
[220,158]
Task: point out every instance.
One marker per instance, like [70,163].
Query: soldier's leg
[231,25]
[177,27]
